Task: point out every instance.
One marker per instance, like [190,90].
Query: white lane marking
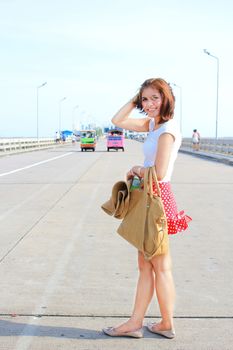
[27,335]
[35,164]
[25,201]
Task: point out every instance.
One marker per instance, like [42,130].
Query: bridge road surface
[65,273]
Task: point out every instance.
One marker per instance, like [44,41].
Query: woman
[156,100]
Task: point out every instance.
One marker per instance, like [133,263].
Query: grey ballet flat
[112,332]
[167,334]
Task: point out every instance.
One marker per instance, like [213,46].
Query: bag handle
[156,181]
[146,181]
[149,178]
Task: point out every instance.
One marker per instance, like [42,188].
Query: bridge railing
[15,145]
[209,145]
[221,145]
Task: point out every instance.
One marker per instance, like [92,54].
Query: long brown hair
[168,99]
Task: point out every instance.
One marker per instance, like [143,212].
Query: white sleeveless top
[151,144]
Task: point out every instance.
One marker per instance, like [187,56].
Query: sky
[94,55]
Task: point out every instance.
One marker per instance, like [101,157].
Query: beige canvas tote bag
[145,223]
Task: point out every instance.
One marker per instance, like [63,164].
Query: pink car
[115,140]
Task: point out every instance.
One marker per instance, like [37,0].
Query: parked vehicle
[88,140]
[115,140]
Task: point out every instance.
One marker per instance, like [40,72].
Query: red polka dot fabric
[176,221]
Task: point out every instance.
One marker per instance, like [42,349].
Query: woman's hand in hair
[136,100]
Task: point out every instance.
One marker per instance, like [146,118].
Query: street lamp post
[60,101]
[217,59]
[82,120]
[180,88]
[37,109]
[73,117]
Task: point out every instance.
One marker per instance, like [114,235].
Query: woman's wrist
[137,170]
[131,104]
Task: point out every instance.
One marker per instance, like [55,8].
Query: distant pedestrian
[156,100]
[196,140]
[57,137]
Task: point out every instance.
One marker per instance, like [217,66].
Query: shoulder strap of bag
[150,178]
[146,182]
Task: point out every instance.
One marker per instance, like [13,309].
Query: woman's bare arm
[163,154]
[122,120]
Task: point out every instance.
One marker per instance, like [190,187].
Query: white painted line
[32,325]
[25,201]
[35,164]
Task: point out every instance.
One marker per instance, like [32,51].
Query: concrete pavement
[65,273]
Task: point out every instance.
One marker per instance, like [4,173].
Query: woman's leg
[144,294]
[165,290]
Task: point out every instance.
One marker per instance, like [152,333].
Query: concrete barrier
[15,145]
[210,145]
[221,145]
